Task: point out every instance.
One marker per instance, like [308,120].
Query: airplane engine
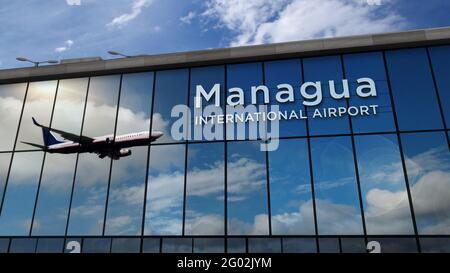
[124,152]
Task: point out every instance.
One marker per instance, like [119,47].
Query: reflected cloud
[204,224]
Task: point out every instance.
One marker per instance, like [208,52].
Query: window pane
[5,159]
[435,245]
[325,69]
[244,76]
[38,104]
[299,245]
[20,195]
[4,244]
[383,186]
[329,245]
[207,77]
[413,90]
[353,245]
[337,202]
[96,245]
[50,245]
[22,245]
[247,189]
[54,195]
[440,59]
[126,198]
[57,176]
[205,189]
[282,72]
[171,88]
[11,101]
[396,245]
[428,166]
[236,245]
[370,65]
[177,245]
[135,103]
[209,245]
[126,245]
[151,245]
[264,245]
[165,190]
[290,189]
[89,197]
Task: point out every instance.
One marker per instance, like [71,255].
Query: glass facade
[331,185]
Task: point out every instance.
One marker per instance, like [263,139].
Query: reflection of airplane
[103,145]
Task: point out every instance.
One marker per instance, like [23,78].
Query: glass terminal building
[340,183]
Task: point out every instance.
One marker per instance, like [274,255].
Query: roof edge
[358,43]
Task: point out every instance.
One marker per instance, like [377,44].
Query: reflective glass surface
[427,160]
[326,69]
[337,201]
[205,189]
[247,189]
[184,195]
[92,174]
[413,90]
[370,65]
[127,185]
[20,195]
[165,190]
[58,173]
[171,89]
[11,102]
[290,189]
[286,72]
[383,186]
[440,59]
[38,104]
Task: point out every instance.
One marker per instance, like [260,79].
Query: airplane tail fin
[49,138]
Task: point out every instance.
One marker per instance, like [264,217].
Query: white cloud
[67,45]
[188,18]
[136,9]
[73,2]
[267,21]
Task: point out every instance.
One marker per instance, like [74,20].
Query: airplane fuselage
[106,143]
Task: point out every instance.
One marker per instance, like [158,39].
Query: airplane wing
[67,135]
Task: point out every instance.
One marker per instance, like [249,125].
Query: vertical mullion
[436,88]
[43,164]
[186,146]
[308,138]
[148,163]
[111,161]
[355,159]
[269,212]
[405,172]
[14,148]
[76,160]
[225,143]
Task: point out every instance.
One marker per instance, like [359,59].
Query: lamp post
[115,53]
[36,63]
